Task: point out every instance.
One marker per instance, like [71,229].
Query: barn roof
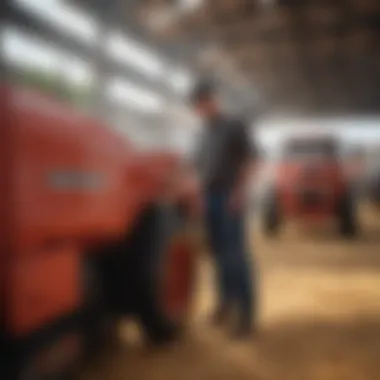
[307,56]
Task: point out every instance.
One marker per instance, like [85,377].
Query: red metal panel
[42,287]
[69,175]
[291,182]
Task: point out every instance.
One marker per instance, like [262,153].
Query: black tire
[347,215]
[147,254]
[124,279]
[95,314]
[271,219]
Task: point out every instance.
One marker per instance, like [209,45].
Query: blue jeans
[226,234]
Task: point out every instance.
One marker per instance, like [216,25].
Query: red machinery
[311,183]
[90,229]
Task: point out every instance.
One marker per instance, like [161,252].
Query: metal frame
[343,78]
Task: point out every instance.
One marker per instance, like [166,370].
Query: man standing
[224,159]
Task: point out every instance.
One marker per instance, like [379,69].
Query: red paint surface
[40,137]
[292,180]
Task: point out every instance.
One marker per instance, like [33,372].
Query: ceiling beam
[30,25]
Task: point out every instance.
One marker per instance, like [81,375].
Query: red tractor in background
[311,183]
[91,230]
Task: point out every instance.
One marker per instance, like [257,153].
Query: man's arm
[247,154]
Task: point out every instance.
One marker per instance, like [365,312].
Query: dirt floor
[320,318]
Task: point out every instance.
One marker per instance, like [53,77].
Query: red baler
[91,229]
